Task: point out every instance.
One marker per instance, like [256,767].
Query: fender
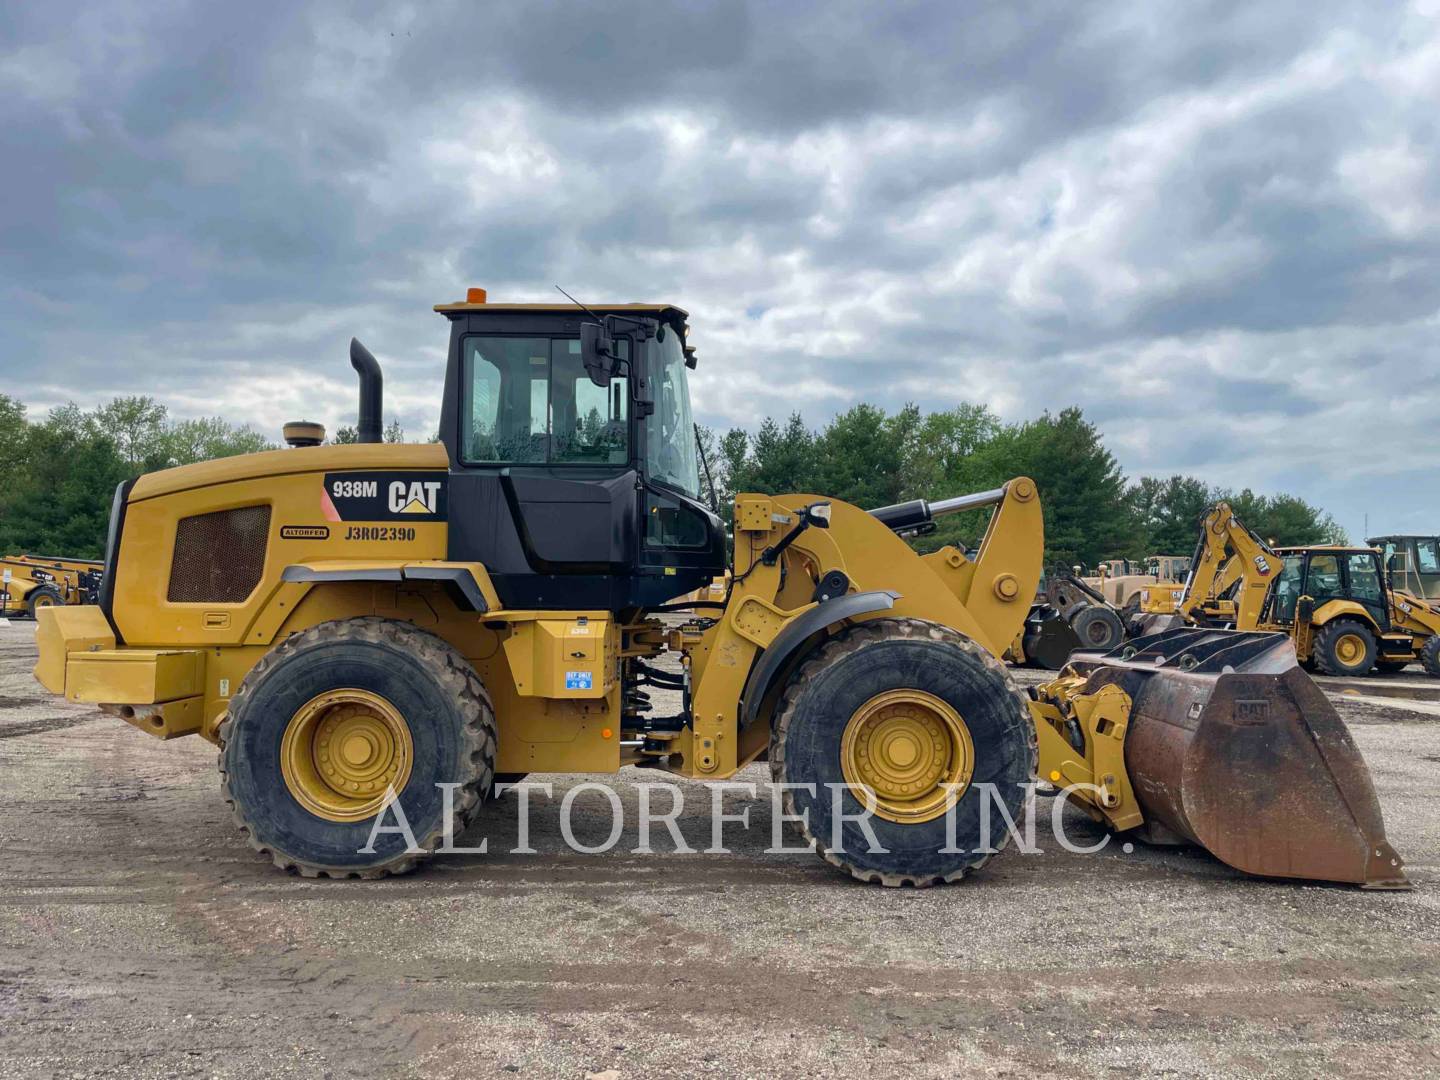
[1334,609]
[819,618]
[470,583]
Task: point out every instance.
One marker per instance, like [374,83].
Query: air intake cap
[303,433]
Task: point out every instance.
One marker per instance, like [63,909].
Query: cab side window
[529,401]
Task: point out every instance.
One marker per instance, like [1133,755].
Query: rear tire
[280,750]
[1098,628]
[850,678]
[1344,647]
[44,596]
[1430,656]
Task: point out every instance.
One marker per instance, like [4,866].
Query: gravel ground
[139,935]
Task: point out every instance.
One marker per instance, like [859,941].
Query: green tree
[1166,515]
[137,427]
[861,455]
[782,459]
[60,502]
[1081,486]
[1283,520]
[210,437]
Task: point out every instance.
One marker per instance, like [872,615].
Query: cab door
[1366,586]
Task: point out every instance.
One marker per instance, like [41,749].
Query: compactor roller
[374,634]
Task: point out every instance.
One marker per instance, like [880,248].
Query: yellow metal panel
[63,630]
[275,463]
[134,676]
[562,658]
[752,513]
[1333,609]
[544,735]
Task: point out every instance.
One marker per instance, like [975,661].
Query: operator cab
[1412,563]
[1330,573]
[577,486]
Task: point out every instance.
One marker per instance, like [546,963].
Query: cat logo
[414,497]
[393,495]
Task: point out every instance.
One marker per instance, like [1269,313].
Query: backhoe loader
[371,629]
[1335,603]
[31,582]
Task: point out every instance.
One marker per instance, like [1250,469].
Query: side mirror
[597,353]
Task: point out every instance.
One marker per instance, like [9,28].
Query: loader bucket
[1232,747]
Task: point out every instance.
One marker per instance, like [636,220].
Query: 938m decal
[384,496]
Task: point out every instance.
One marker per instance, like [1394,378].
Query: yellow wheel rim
[1350,649]
[342,751]
[904,747]
[44,601]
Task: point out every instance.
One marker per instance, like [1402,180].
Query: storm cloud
[1212,225]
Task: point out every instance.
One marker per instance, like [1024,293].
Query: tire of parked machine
[1430,656]
[1098,628]
[335,718]
[43,597]
[899,708]
[1344,647]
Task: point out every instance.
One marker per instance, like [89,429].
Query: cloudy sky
[1214,226]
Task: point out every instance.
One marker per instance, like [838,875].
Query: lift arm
[1227,552]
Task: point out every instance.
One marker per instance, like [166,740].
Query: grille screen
[219,557]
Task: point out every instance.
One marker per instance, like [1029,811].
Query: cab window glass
[1323,581]
[1287,587]
[1365,579]
[588,422]
[671,524]
[1427,558]
[670,453]
[529,401]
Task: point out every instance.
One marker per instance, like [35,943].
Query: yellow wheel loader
[31,582]
[373,630]
[1334,602]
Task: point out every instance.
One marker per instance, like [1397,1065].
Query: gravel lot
[139,934]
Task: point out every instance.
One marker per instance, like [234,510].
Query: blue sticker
[577,680]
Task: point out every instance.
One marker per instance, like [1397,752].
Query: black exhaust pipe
[371,392]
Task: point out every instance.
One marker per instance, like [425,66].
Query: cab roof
[1344,549]
[666,312]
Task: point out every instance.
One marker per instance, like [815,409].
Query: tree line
[872,458]
[58,474]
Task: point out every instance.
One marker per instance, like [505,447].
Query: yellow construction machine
[31,582]
[380,629]
[1335,602]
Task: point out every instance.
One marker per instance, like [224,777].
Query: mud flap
[1232,747]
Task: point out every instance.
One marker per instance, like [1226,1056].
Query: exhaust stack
[372,389]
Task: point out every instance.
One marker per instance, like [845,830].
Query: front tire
[903,706]
[1430,656]
[1099,628]
[331,719]
[43,597]
[1344,647]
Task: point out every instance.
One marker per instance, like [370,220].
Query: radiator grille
[219,557]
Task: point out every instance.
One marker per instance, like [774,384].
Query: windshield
[670,455]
